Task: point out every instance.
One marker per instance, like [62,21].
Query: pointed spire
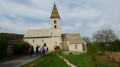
[55,13]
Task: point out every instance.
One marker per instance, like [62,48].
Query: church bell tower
[55,18]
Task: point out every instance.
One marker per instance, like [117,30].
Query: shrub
[21,47]
[115,45]
[3,47]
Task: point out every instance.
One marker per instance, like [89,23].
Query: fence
[114,56]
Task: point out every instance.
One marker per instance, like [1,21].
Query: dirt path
[71,65]
[18,62]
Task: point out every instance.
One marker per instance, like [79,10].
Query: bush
[3,47]
[115,45]
[94,48]
[21,47]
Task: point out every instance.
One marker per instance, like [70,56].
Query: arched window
[55,21]
[55,26]
[33,40]
[76,46]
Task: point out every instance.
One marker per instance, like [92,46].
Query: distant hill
[11,36]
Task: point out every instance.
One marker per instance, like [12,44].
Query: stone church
[53,37]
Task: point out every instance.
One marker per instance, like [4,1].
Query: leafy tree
[115,45]
[3,47]
[93,50]
[21,47]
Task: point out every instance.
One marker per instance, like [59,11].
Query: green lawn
[84,60]
[50,60]
[80,60]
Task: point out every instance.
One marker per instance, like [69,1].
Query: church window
[42,40]
[33,40]
[55,42]
[55,21]
[55,26]
[76,46]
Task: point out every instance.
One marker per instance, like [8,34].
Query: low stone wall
[114,56]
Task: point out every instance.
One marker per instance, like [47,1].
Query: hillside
[11,36]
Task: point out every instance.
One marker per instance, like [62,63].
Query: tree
[86,39]
[3,47]
[115,45]
[21,47]
[104,36]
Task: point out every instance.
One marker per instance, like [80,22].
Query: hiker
[30,51]
[37,50]
[46,49]
[26,49]
[55,48]
[43,51]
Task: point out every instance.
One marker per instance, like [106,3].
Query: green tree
[115,45]
[3,47]
[21,47]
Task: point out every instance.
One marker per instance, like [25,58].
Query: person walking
[30,51]
[46,49]
[37,50]
[43,51]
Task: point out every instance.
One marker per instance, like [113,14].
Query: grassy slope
[80,60]
[84,60]
[51,60]
[105,61]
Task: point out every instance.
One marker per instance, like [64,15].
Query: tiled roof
[55,13]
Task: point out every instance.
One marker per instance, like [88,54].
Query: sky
[77,16]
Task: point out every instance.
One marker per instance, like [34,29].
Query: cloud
[82,16]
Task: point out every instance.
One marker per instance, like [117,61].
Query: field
[50,60]
[80,60]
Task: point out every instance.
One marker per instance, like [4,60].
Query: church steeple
[55,13]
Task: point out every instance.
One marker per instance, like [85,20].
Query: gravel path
[71,65]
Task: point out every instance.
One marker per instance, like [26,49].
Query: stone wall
[50,42]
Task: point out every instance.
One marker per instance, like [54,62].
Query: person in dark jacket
[32,50]
[37,50]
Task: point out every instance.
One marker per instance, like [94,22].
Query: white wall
[50,42]
[57,24]
[79,47]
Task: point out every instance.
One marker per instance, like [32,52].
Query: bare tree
[104,36]
[86,39]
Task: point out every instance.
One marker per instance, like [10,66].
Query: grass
[80,60]
[84,60]
[105,61]
[50,60]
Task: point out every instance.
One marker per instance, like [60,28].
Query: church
[52,37]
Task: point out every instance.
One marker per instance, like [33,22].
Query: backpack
[29,49]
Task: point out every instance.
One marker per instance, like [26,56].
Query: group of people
[29,51]
[39,50]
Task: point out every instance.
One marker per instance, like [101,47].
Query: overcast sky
[77,16]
